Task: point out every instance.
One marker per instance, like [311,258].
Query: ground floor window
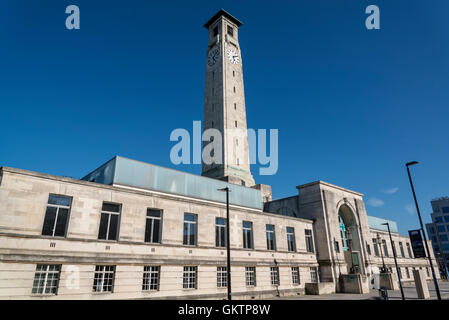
[313,275]
[250,276]
[189,277]
[274,271]
[222,277]
[104,279]
[151,275]
[46,279]
[295,275]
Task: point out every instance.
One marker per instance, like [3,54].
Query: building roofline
[124,188]
[225,14]
[328,185]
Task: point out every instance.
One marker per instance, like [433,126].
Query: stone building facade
[132,230]
[134,257]
[77,251]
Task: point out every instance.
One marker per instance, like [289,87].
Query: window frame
[271,243]
[222,277]
[295,275]
[218,230]
[152,218]
[291,248]
[41,290]
[314,272]
[55,222]
[274,276]
[309,241]
[109,214]
[187,275]
[148,276]
[250,276]
[103,272]
[247,230]
[385,248]
[189,223]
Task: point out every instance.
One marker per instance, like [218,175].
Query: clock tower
[224,105]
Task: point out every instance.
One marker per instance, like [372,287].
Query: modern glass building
[438,231]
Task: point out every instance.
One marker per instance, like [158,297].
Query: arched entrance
[350,240]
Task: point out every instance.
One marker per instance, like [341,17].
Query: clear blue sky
[351,105]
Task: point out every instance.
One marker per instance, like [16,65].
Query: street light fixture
[395,261]
[437,289]
[228,243]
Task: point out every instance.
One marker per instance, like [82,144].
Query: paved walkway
[409,293]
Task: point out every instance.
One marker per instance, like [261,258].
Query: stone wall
[23,200]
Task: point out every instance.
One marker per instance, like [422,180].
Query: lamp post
[437,288]
[228,243]
[395,261]
[379,244]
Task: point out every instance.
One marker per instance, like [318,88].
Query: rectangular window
[400,272]
[427,271]
[104,279]
[151,275]
[230,31]
[274,272]
[445,209]
[220,232]
[376,247]
[271,239]
[337,246]
[309,240]
[46,279]
[291,242]
[384,244]
[441,229]
[409,251]
[109,221]
[222,277]
[313,275]
[153,227]
[247,235]
[56,216]
[250,276]
[295,275]
[438,219]
[407,272]
[189,237]
[215,31]
[368,249]
[401,248]
[446,218]
[443,237]
[189,278]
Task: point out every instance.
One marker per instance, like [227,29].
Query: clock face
[213,56]
[233,56]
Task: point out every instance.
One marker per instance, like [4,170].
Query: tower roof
[223,13]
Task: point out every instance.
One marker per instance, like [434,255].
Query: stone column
[421,284]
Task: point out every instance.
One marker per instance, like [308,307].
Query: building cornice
[319,182]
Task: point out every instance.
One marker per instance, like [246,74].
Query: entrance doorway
[350,239]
